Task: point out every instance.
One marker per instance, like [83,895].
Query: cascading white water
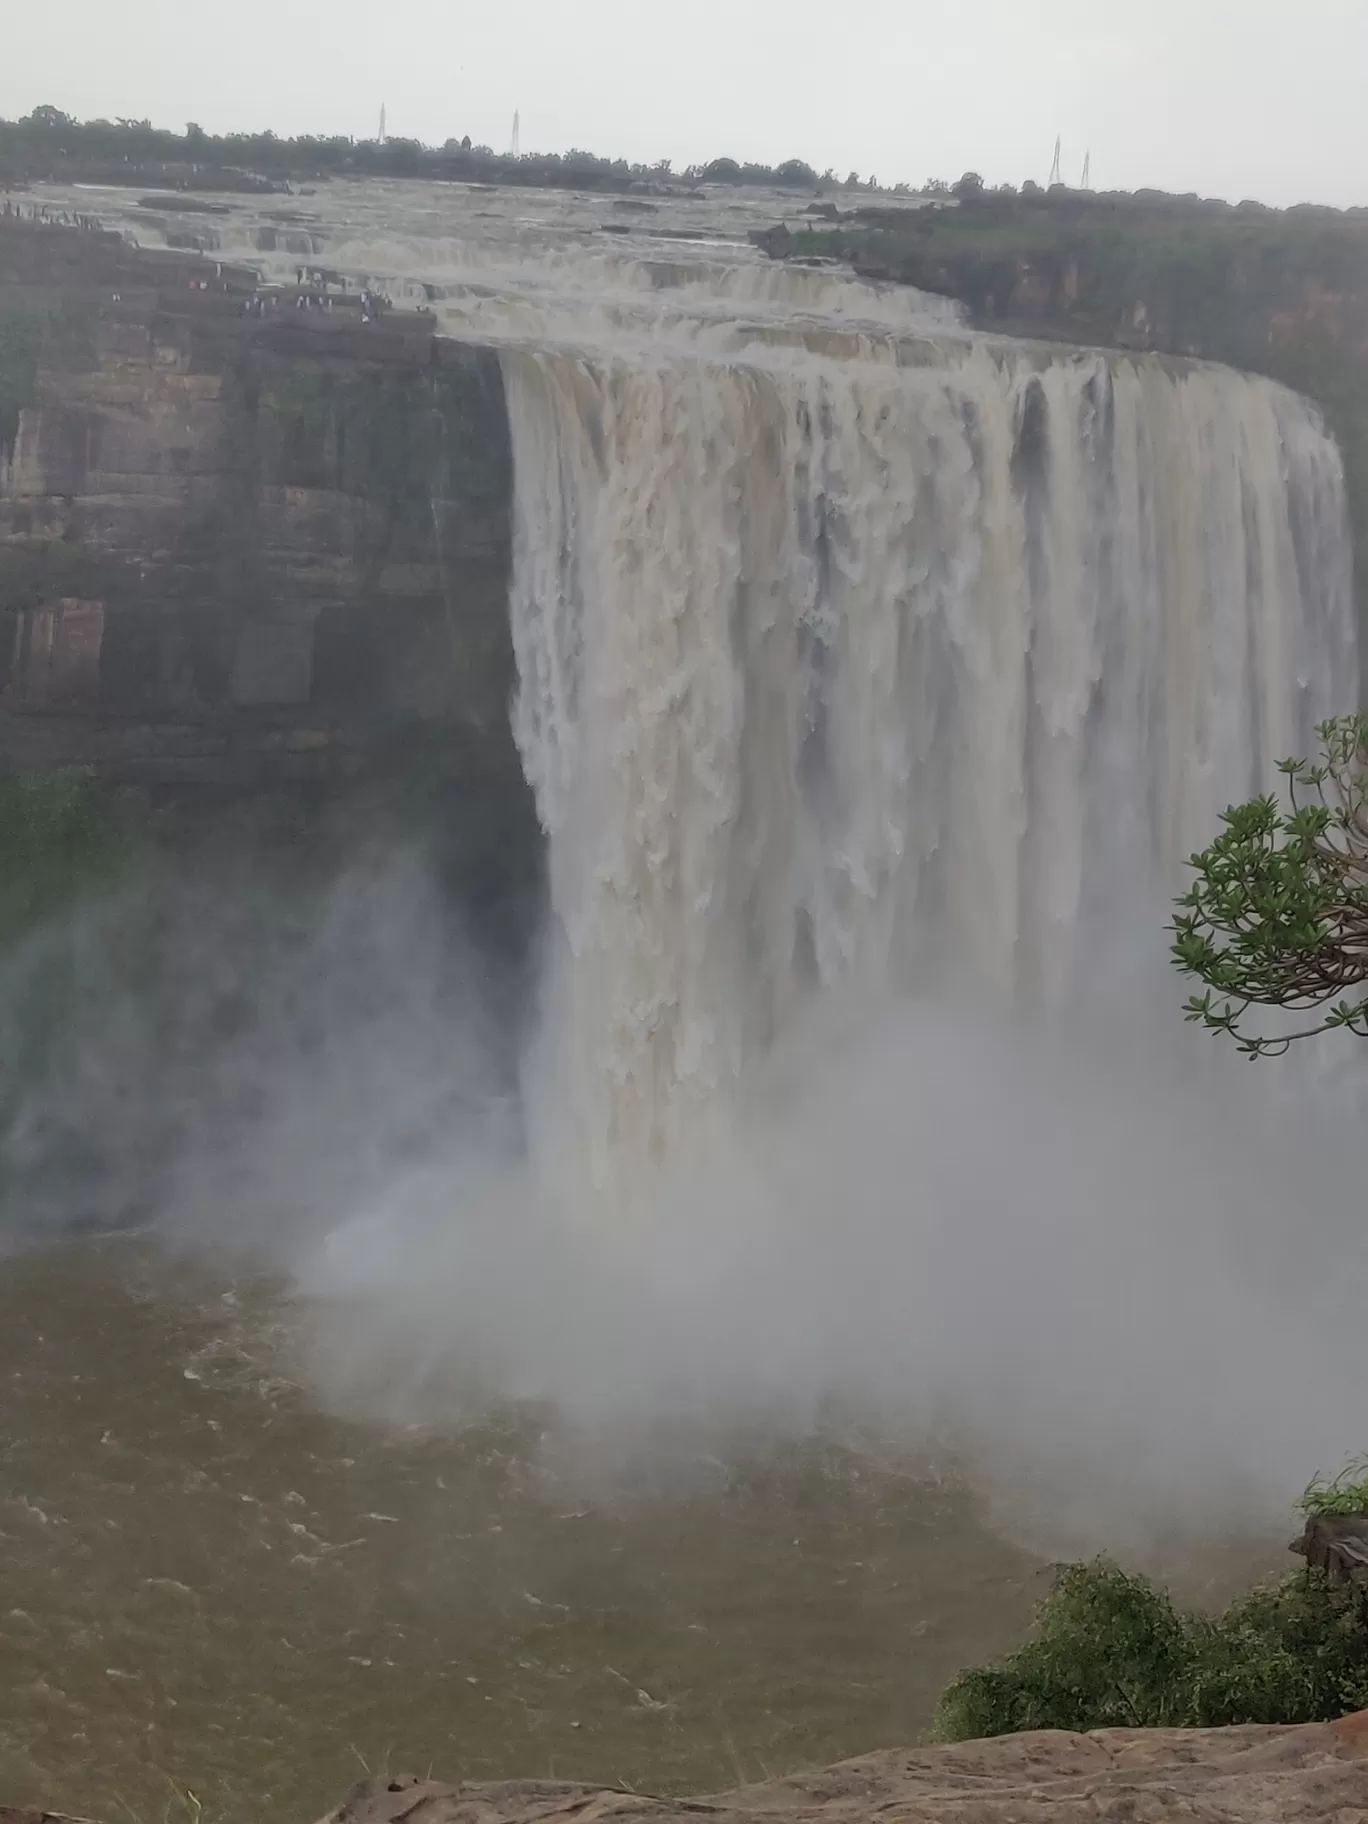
[936,662]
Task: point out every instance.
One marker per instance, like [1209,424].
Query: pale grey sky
[1228,97]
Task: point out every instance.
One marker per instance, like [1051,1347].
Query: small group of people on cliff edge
[263,304]
[48,218]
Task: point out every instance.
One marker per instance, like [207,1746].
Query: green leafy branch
[1344,1494]
[1277,914]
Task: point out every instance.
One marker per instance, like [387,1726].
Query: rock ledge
[1249,1775]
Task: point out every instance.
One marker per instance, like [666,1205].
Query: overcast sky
[1228,97]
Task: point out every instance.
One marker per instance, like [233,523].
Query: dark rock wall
[240,551]
[255,568]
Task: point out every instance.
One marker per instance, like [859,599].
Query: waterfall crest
[934,661]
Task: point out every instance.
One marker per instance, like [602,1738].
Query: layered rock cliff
[235,549]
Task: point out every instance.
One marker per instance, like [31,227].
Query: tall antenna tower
[516,148]
[1055,177]
[382,123]
[1087,172]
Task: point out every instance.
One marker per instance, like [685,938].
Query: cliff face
[241,551]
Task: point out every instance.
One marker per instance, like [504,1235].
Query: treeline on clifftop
[50,146]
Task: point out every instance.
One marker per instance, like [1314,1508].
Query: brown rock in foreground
[1251,1775]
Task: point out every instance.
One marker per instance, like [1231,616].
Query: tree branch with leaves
[1277,914]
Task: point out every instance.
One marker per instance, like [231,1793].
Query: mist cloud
[1112,1276]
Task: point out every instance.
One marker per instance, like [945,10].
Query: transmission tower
[516,148]
[1055,177]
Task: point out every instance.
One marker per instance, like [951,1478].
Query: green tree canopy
[1277,913]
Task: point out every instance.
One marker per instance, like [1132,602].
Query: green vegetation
[21,340]
[63,840]
[29,338]
[1277,915]
[1111,1651]
[793,174]
[38,570]
[50,144]
[61,837]
[1346,1494]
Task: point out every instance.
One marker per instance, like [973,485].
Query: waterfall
[904,665]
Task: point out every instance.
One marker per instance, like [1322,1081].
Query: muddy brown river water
[210,1587]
